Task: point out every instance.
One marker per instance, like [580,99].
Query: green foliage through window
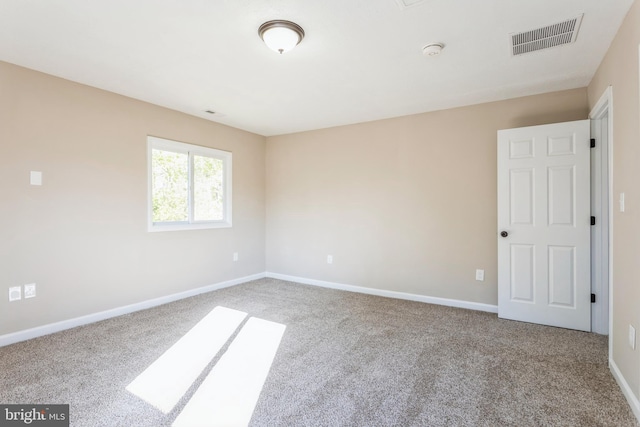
[170,183]
[207,188]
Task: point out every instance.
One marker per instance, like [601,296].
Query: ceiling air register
[546,37]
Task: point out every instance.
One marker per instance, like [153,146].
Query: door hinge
[593,298]
[593,220]
[593,143]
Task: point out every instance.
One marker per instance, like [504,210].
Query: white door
[544,271]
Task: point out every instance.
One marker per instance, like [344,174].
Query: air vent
[217,114]
[545,37]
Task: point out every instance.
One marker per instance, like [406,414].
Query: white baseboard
[389,294]
[626,390]
[119,311]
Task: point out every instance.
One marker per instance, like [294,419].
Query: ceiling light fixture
[281,36]
[433,49]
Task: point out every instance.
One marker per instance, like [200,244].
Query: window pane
[170,186]
[208,189]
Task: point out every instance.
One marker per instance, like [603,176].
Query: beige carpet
[345,359]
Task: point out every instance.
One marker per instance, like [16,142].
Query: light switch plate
[621,202]
[632,337]
[15,293]
[329,259]
[480,275]
[35,178]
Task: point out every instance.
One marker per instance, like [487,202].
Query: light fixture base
[280,35]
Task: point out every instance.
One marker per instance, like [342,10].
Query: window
[189,186]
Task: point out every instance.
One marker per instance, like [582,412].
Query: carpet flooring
[344,359]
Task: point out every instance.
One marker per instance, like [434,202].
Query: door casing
[602,193]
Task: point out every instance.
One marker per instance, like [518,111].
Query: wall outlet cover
[632,337]
[30,290]
[480,275]
[15,293]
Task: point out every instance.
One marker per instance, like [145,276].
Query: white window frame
[181,147]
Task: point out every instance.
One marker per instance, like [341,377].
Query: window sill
[152,228]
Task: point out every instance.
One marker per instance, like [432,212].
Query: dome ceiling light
[281,36]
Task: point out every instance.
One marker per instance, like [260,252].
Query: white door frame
[603,313]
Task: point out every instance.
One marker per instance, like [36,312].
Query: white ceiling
[361,60]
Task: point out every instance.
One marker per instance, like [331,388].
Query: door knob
[504,233]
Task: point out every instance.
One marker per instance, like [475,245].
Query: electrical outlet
[632,337]
[329,259]
[621,202]
[480,275]
[30,290]
[15,293]
[235,256]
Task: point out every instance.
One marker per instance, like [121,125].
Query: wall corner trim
[389,294]
[626,389]
[51,328]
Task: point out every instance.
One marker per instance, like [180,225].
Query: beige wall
[405,204]
[620,70]
[82,237]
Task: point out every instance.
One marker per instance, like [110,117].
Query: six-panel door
[544,208]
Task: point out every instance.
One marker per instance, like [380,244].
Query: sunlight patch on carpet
[229,394]
[167,379]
